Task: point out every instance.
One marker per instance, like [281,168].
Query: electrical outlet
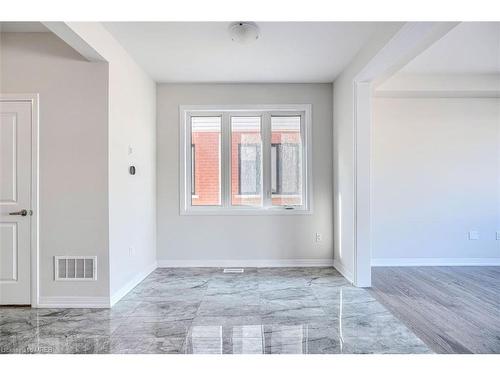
[318,237]
[498,235]
[473,235]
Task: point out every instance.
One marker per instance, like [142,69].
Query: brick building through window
[246,161]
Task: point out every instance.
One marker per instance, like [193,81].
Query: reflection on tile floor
[202,310]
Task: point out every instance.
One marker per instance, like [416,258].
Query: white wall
[435,177]
[211,239]
[441,85]
[132,199]
[73,152]
[343,146]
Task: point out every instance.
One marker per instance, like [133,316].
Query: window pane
[206,161]
[274,161]
[246,161]
[286,161]
[193,169]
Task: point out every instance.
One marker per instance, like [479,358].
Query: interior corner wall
[132,141]
[132,198]
[435,178]
[343,154]
[214,240]
[73,153]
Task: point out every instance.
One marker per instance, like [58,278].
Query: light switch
[318,237]
[473,235]
[498,235]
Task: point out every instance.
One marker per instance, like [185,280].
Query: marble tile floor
[204,311]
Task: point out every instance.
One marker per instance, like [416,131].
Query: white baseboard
[343,271]
[73,302]
[421,262]
[66,302]
[247,263]
[122,292]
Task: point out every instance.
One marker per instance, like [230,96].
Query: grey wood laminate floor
[451,309]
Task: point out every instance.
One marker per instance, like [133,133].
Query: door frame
[33,99]
[407,42]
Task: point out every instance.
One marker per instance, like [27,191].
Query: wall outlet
[318,237]
[473,235]
[498,235]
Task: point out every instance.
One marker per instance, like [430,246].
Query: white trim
[479,94]
[423,262]
[35,246]
[259,263]
[362,186]
[246,211]
[406,43]
[343,271]
[124,290]
[60,302]
[185,111]
[247,195]
[73,302]
[245,107]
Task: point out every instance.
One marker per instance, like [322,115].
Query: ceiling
[285,52]
[469,48]
[204,52]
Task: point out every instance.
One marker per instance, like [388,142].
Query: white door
[15,201]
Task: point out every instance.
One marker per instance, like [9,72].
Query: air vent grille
[75,268]
[233,270]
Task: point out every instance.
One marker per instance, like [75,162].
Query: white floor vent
[75,268]
[234,270]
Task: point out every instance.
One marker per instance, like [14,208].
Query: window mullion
[226,160]
[304,159]
[188,163]
[266,159]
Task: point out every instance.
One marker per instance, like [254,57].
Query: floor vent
[75,268]
[234,270]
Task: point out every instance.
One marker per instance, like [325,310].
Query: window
[286,160]
[248,160]
[285,169]
[248,169]
[205,160]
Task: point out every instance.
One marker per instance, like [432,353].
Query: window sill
[288,196]
[257,196]
[246,212]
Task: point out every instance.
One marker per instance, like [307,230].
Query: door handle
[23,212]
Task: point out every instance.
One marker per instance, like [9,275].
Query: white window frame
[225,112]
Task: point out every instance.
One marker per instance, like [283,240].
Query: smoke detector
[244,32]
